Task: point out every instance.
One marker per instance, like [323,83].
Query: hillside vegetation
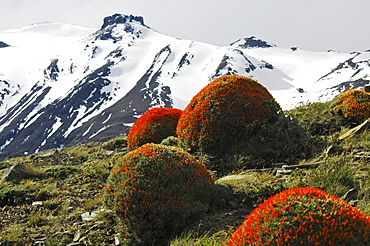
[63,198]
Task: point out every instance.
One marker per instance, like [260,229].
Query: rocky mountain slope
[63,85]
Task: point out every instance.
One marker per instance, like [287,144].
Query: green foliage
[317,118]
[171,141]
[347,109]
[61,172]
[156,192]
[303,216]
[13,232]
[26,191]
[335,176]
[153,126]
[207,239]
[254,187]
[12,190]
[279,141]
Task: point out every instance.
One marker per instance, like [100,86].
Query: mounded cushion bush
[353,104]
[156,192]
[217,118]
[153,126]
[303,216]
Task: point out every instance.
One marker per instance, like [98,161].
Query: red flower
[216,118]
[156,190]
[153,126]
[353,104]
[344,225]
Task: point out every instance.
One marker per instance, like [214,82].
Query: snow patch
[7,142]
[99,131]
[106,120]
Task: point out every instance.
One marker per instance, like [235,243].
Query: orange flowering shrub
[303,216]
[156,191]
[353,104]
[217,117]
[153,126]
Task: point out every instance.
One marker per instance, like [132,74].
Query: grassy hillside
[60,203]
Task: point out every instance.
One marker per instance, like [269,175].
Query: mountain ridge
[62,84]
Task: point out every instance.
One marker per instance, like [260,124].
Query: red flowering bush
[353,104]
[153,126]
[303,216]
[219,117]
[156,191]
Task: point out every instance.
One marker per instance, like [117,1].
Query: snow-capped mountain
[315,76]
[63,84]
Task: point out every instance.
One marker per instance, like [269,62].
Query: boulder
[15,173]
[108,145]
[114,144]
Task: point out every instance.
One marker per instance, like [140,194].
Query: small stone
[350,195]
[240,214]
[109,152]
[37,203]
[89,216]
[282,172]
[116,240]
[108,145]
[353,203]
[77,236]
[75,244]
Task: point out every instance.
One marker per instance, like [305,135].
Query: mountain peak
[252,42]
[121,19]
[3,45]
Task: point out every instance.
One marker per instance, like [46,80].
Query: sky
[315,25]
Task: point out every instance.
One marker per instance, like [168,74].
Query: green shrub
[303,216]
[171,141]
[61,172]
[156,192]
[317,118]
[235,116]
[153,126]
[281,141]
[335,175]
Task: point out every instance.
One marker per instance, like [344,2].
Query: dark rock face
[252,42]
[121,19]
[68,120]
[3,45]
[127,21]
[51,72]
[5,90]
[345,86]
[226,67]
